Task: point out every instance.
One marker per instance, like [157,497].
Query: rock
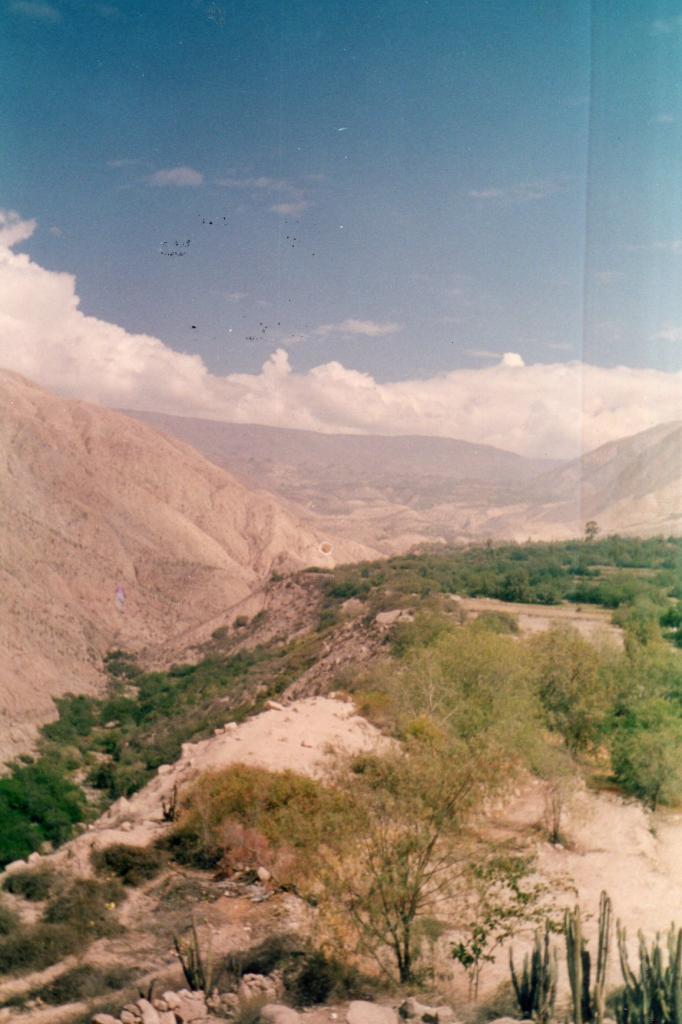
[263,874]
[230,726]
[126,826]
[362,1012]
[160,1004]
[15,865]
[395,615]
[165,769]
[413,1010]
[255,986]
[34,858]
[149,1014]
[192,1006]
[129,1017]
[277,1013]
[273,705]
[104,1018]
[171,999]
[167,1017]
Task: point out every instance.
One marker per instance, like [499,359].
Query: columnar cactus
[588,1002]
[536,987]
[655,996]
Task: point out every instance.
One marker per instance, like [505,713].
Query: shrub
[315,978]
[86,907]
[83,982]
[37,946]
[278,811]
[31,883]
[132,864]
[37,803]
[9,920]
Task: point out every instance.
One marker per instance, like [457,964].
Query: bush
[9,920]
[83,982]
[37,803]
[87,907]
[132,864]
[38,946]
[275,812]
[315,978]
[31,883]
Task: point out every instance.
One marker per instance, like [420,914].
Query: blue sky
[409,187]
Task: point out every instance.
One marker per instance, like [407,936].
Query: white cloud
[13,229]
[176,176]
[672,246]
[262,183]
[36,11]
[664,119]
[522,192]
[235,296]
[541,409]
[368,328]
[666,26]
[669,332]
[291,209]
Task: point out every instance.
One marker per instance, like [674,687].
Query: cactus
[197,965]
[588,1003]
[655,996]
[536,988]
[170,809]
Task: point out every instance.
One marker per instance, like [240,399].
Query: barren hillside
[112,535]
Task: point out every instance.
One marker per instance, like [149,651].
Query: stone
[192,1006]
[263,874]
[413,1010]
[160,1004]
[165,769]
[171,999]
[128,1017]
[362,1012]
[277,1013]
[167,1017]
[34,858]
[273,705]
[104,1018]
[126,826]
[394,615]
[149,1014]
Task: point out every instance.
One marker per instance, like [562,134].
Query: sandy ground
[592,623]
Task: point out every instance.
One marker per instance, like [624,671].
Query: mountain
[112,535]
[389,492]
[393,492]
[631,486]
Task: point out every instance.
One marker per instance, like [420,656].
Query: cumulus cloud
[368,328]
[176,176]
[522,192]
[669,332]
[542,409]
[671,246]
[291,209]
[13,229]
[263,183]
[35,11]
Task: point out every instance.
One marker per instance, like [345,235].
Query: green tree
[574,685]
[646,752]
[406,855]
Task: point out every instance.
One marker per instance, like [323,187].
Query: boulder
[171,999]
[362,1012]
[277,1013]
[413,1010]
[104,1018]
[147,1012]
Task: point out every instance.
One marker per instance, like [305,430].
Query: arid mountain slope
[389,492]
[392,492]
[631,486]
[91,502]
